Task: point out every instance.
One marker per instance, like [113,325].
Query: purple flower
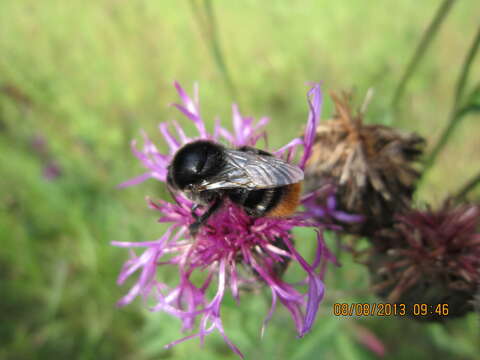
[233,249]
[430,256]
[322,204]
[50,169]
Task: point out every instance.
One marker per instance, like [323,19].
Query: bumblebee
[208,173]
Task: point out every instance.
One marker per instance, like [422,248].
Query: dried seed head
[371,165]
[430,257]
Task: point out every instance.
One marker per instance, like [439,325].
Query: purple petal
[292,144]
[262,122]
[315,105]
[348,218]
[181,134]
[238,125]
[173,143]
[226,135]
[315,290]
[191,110]
[270,313]
[187,101]
[135,181]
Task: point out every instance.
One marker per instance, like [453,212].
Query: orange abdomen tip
[289,202]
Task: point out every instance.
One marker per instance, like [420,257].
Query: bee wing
[253,171]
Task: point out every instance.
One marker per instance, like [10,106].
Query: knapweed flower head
[232,249]
[430,257]
[372,167]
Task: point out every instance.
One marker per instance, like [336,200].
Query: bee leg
[194,214]
[200,220]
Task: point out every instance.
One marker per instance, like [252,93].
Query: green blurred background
[78,81]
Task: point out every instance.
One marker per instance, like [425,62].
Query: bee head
[194,163]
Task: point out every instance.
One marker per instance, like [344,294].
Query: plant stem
[208,26]
[422,47]
[456,113]
[462,79]
[469,186]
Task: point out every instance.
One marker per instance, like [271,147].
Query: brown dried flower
[372,166]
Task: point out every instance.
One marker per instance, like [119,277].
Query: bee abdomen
[288,203]
[275,202]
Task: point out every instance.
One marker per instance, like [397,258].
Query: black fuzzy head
[195,162]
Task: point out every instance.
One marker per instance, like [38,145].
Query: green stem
[469,186]
[456,114]
[422,47]
[208,26]
[462,79]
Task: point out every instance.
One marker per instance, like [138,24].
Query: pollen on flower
[230,241]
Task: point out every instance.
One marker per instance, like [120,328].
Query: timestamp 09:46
[387,309]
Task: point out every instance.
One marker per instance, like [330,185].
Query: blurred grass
[86,76]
